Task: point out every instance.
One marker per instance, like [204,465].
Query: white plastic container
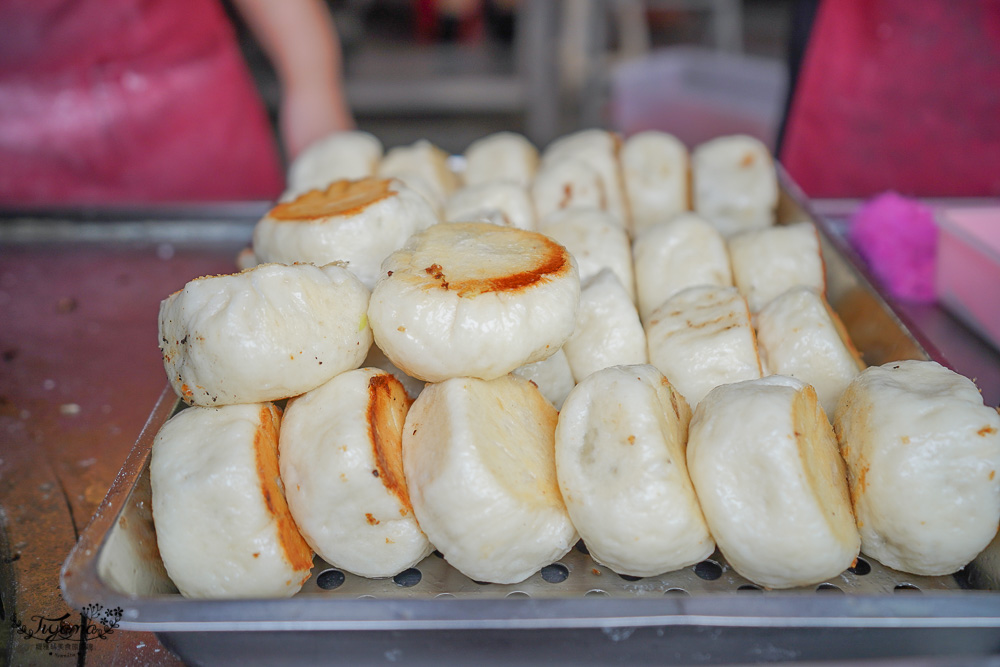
[698,94]
[968,268]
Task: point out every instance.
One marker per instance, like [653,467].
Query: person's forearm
[301,41]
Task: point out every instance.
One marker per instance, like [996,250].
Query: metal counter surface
[80,371]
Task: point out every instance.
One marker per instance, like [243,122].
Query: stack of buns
[603,339]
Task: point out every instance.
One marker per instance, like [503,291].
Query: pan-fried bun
[800,335]
[772,485]
[655,171]
[222,525]
[700,338]
[502,156]
[735,183]
[598,149]
[501,203]
[608,331]
[767,262]
[339,156]
[357,222]
[341,461]
[923,454]
[670,256]
[568,183]
[474,299]
[480,466]
[620,460]
[424,163]
[263,334]
[596,240]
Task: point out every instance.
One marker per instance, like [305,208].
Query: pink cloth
[898,95]
[897,237]
[128,101]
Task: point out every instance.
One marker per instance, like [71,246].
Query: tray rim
[844,248]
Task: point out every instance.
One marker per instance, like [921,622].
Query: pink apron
[898,95]
[128,101]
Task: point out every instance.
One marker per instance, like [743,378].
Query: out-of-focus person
[151,100]
[897,95]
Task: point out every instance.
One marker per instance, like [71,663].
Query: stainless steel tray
[573,611]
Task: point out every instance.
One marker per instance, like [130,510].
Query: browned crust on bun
[341,198]
[388,404]
[548,260]
[265,444]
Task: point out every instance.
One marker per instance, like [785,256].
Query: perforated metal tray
[572,611]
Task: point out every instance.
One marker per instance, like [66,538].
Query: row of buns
[491,475]
[640,180]
[345,185]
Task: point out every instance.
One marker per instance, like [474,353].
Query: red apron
[898,95]
[128,101]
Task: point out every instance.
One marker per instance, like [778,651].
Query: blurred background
[454,70]
[151,101]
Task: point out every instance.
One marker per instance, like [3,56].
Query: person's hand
[301,41]
[309,113]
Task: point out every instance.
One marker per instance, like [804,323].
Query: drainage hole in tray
[629,577]
[861,568]
[828,588]
[407,578]
[708,570]
[596,593]
[749,588]
[555,573]
[517,594]
[676,591]
[582,548]
[438,553]
[445,595]
[330,579]
[907,589]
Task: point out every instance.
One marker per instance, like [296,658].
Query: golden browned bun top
[476,258]
[341,198]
